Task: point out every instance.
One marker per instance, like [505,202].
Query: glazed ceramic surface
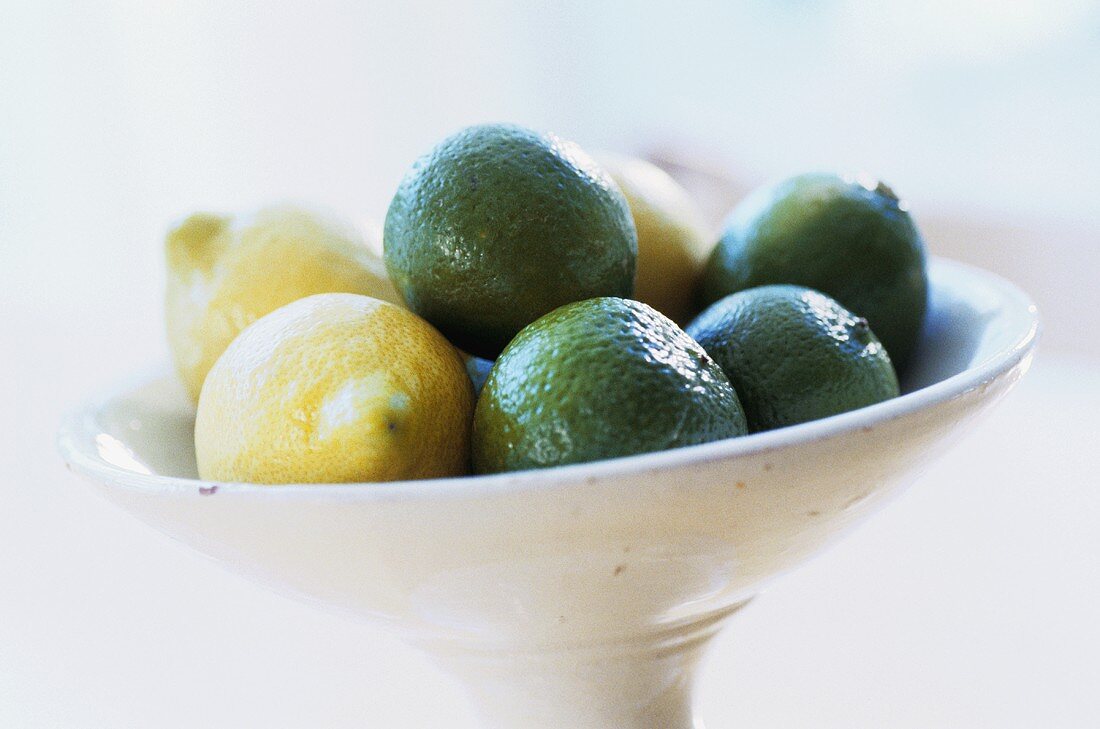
[578,596]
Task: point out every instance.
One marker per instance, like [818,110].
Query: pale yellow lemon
[335,388]
[225,272]
[672,237]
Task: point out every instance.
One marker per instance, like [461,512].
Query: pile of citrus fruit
[527,313]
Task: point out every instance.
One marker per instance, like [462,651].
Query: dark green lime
[794,354]
[499,225]
[598,379]
[851,239]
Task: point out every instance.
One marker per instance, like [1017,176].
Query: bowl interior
[973,318]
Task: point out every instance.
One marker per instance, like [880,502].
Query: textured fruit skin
[499,225]
[599,379]
[335,388]
[672,238]
[852,240]
[794,355]
[225,272]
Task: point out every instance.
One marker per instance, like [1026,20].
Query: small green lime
[851,239]
[499,225]
[599,379]
[794,355]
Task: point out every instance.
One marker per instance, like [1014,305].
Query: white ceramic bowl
[578,596]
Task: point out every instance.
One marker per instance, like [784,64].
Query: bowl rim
[73,441]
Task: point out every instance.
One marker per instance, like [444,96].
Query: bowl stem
[645,682]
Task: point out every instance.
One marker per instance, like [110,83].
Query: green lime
[851,239]
[598,379]
[794,354]
[499,225]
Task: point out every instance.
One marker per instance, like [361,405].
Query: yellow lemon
[226,272]
[672,238]
[335,388]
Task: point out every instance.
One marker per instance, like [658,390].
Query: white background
[970,602]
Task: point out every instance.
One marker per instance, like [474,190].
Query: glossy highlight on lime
[850,238]
[598,379]
[498,225]
[794,355]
